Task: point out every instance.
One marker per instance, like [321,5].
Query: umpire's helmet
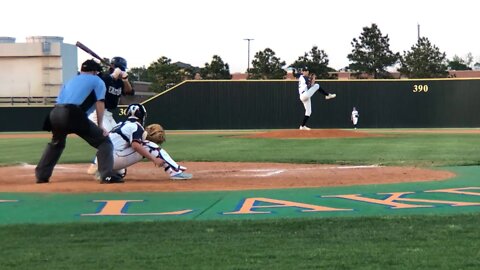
[119,62]
[138,111]
[90,65]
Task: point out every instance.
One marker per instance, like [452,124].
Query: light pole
[248,57]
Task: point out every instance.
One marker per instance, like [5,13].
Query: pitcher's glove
[155,133]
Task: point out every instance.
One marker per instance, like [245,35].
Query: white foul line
[266,172]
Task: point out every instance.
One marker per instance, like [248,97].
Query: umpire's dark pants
[65,119]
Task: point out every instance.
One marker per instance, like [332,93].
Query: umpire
[77,98]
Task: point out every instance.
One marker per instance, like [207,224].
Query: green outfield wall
[436,103]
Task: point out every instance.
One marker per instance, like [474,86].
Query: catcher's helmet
[138,111]
[119,62]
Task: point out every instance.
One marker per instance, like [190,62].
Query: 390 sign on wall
[419,88]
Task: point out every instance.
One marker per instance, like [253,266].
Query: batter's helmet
[119,62]
[138,111]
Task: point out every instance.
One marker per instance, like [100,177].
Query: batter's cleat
[330,96]
[304,128]
[122,172]
[92,169]
[181,176]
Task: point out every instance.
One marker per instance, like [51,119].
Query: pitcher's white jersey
[303,84]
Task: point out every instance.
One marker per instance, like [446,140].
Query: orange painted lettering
[116,208]
[248,206]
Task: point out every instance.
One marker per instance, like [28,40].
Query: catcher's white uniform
[122,137]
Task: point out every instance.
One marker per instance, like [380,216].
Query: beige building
[35,69]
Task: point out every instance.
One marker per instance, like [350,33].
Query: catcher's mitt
[155,133]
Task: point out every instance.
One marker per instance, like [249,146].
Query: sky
[193,31]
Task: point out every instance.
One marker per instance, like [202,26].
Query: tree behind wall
[371,53]
[216,70]
[424,60]
[267,66]
[317,61]
[457,63]
[163,74]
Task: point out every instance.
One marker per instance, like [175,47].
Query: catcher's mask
[138,111]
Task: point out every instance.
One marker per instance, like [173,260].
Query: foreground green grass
[393,149]
[417,242]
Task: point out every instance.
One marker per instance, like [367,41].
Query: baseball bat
[92,53]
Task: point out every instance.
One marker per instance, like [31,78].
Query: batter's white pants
[305,97]
[108,121]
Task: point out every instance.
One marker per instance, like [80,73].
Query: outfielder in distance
[354,117]
[132,142]
[306,89]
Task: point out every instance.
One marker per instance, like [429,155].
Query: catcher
[132,142]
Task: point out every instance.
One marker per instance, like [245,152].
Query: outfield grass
[394,149]
[397,242]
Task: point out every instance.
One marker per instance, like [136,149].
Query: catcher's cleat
[92,169]
[181,176]
[330,96]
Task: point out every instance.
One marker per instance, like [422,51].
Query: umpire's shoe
[114,179]
[42,181]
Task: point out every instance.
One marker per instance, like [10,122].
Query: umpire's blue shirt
[83,90]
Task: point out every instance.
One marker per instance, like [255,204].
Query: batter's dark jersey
[114,91]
